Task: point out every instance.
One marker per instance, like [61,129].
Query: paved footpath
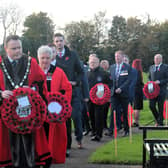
[79,157]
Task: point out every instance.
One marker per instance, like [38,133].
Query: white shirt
[62,53]
[53,62]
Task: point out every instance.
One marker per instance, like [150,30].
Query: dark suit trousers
[106,108]
[85,118]
[69,131]
[97,118]
[22,150]
[119,102]
[157,112]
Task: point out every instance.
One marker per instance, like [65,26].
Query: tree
[117,34]
[100,23]
[10,17]
[163,40]
[38,30]
[81,37]
[138,38]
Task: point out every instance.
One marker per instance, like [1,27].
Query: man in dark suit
[69,61]
[121,78]
[159,74]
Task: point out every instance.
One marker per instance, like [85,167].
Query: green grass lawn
[127,153]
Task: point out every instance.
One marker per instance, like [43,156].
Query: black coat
[98,75]
[71,65]
[161,75]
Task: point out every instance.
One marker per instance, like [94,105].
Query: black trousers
[157,112]
[85,117]
[106,108]
[69,131]
[118,102]
[97,118]
[22,150]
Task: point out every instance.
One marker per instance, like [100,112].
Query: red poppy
[154,93]
[104,99]
[123,66]
[67,58]
[28,123]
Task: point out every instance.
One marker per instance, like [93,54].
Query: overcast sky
[65,11]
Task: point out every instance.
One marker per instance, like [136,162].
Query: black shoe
[119,130]
[126,133]
[92,134]
[135,125]
[110,134]
[68,153]
[95,138]
[86,132]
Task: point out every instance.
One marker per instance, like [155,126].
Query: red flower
[123,66]
[102,100]
[67,58]
[23,125]
[64,113]
[155,93]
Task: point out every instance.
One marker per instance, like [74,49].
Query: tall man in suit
[69,61]
[120,76]
[159,74]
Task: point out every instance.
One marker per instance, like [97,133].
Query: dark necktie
[157,68]
[15,72]
[14,64]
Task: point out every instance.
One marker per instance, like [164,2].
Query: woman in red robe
[56,82]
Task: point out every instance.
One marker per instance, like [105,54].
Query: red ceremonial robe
[35,76]
[57,131]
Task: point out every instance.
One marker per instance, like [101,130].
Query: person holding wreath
[57,81]
[18,71]
[158,73]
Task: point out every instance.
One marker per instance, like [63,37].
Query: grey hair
[44,49]
[159,55]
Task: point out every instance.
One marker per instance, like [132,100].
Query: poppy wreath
[27,124]
[65,111]
[104,99]
[155,93]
